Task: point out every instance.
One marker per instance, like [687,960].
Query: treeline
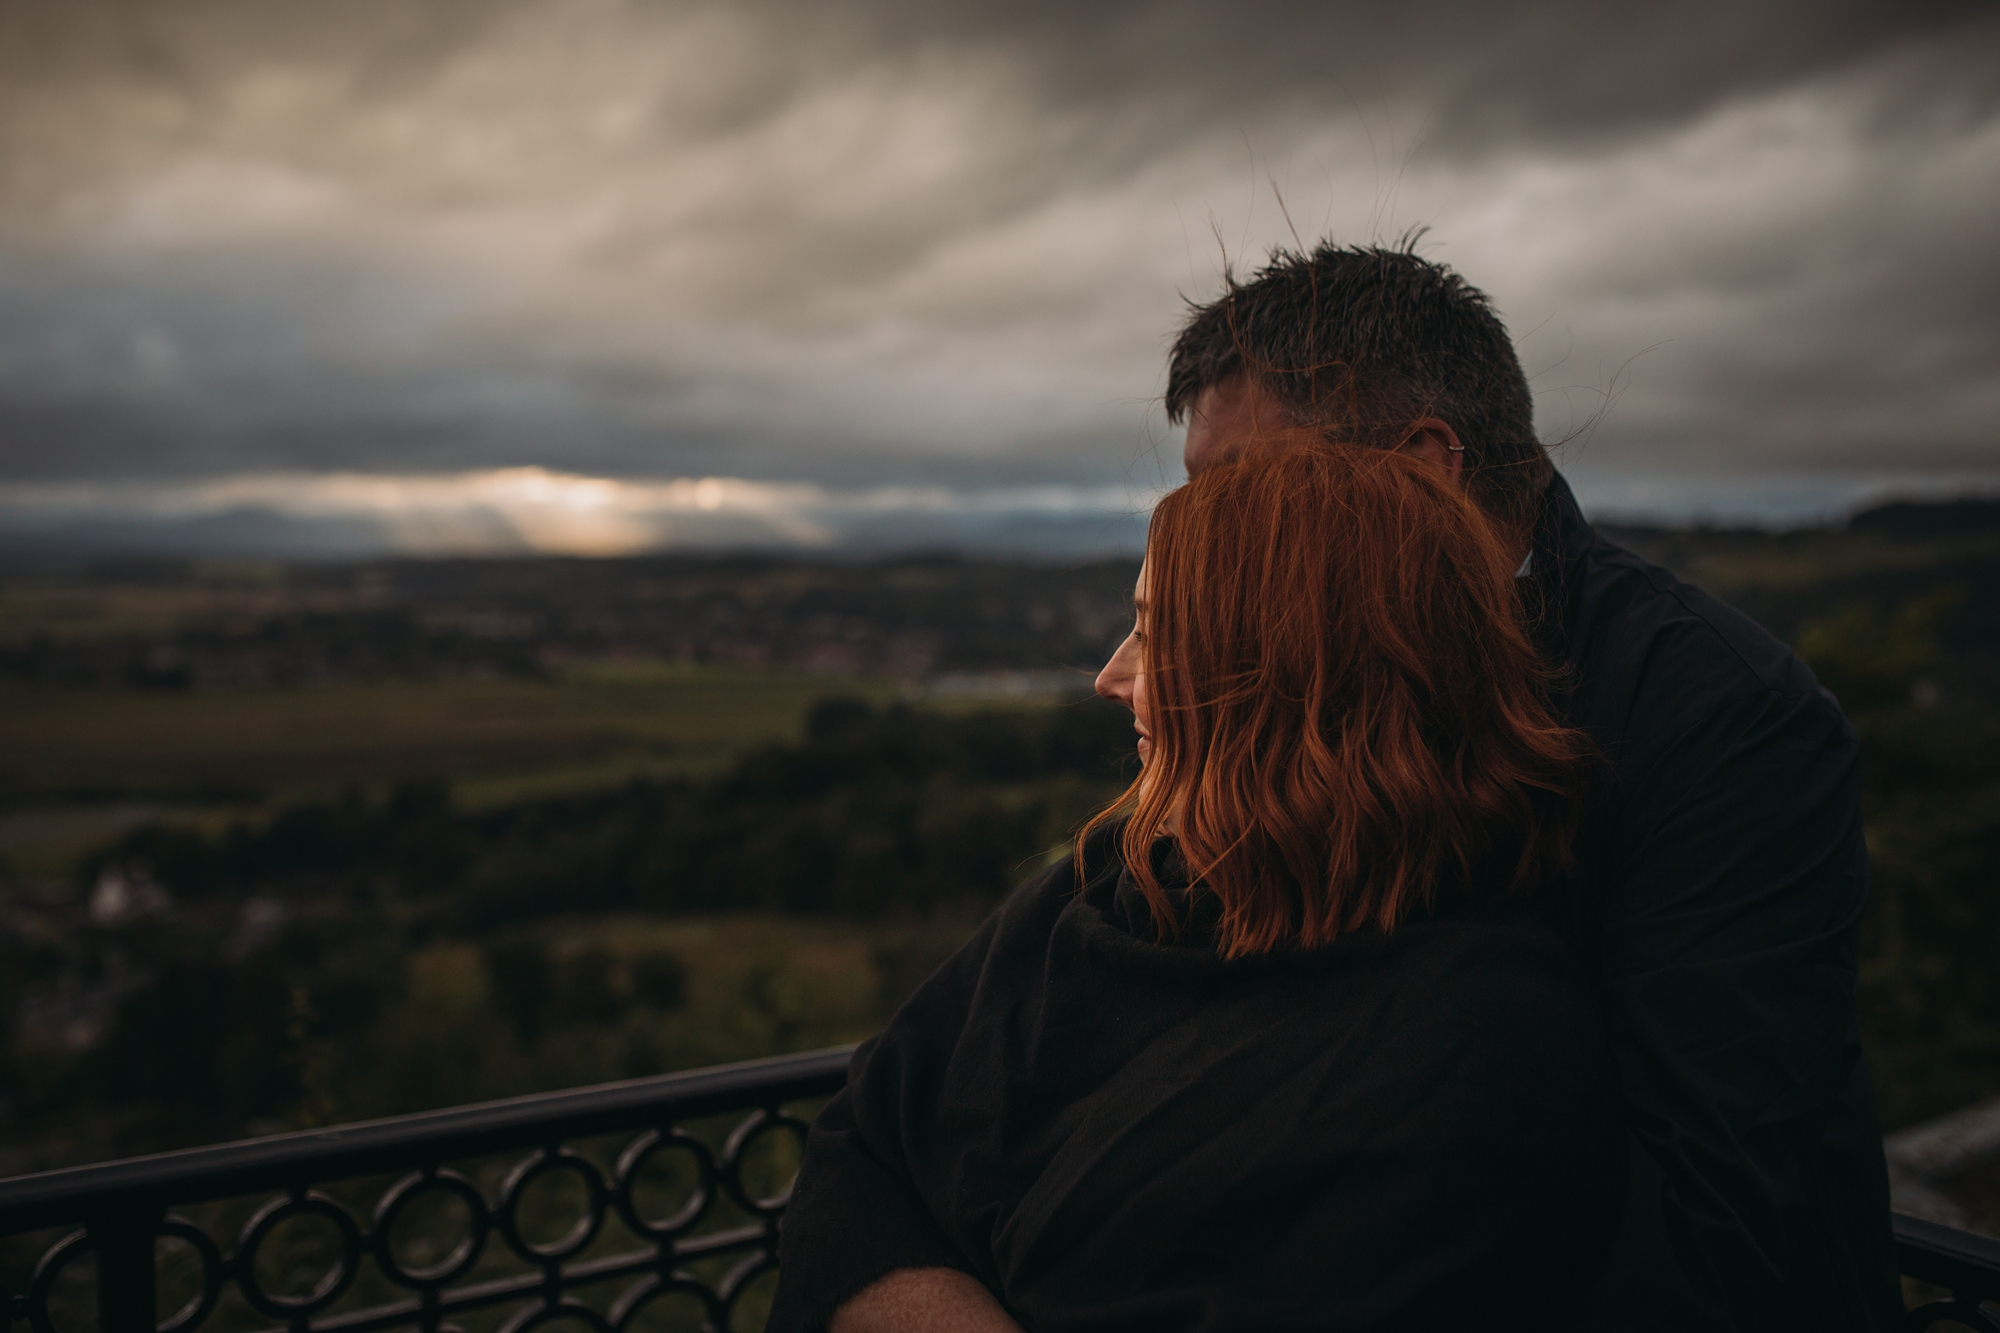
[876,813]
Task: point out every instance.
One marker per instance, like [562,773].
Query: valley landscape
[289,845]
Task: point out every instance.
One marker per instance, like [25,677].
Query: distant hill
[1911,520]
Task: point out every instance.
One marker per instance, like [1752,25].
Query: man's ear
[1433,439]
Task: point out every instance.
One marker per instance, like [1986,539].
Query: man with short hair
[1721,871]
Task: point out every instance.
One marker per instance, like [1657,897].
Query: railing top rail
[284,1161]
[1944,1256]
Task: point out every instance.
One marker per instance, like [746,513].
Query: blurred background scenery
[548,542]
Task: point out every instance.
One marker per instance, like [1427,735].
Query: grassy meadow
[79,765]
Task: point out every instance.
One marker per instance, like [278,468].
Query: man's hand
[921,1300]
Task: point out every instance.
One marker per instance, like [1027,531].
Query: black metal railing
[1965,1265]
[610,1204]
[629,1187]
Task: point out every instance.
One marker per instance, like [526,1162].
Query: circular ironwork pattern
[632,1163]
[47,1271]
[738,1279]
[704,1176]
[754,1127]
[535,1166]
[462,1256]
[34,1303]
[643,1294]
[258,1230]
[214,1272]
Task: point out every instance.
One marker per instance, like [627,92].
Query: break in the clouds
[914,250]
[506,511]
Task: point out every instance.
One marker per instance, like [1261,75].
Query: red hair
[1347,711]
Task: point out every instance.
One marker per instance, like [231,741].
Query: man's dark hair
[1362,342]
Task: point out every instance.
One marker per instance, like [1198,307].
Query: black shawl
[1401,1131]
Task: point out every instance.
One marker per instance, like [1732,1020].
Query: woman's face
[1124,676]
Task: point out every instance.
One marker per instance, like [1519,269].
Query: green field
[78,765]
[77,741]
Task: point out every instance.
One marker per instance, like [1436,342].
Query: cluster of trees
[876,813]
[1930,999]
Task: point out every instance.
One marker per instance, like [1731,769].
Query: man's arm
[921,1300]
[855,1222]
[1727,964]
[857,1215]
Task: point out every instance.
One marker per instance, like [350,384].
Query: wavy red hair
[1347,711]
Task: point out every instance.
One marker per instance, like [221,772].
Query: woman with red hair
[1286,1043]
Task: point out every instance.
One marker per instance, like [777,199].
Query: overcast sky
[848,249]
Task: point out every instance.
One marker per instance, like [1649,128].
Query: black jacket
[1413,1132]
[1722,877]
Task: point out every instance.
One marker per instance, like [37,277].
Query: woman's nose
[1115,681]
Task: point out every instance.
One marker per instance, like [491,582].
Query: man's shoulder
[1662,668]
[1644,632]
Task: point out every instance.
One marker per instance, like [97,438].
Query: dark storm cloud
[897,240]
[1480,72]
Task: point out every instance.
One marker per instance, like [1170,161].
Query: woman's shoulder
[1035,905]
[1018,929]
